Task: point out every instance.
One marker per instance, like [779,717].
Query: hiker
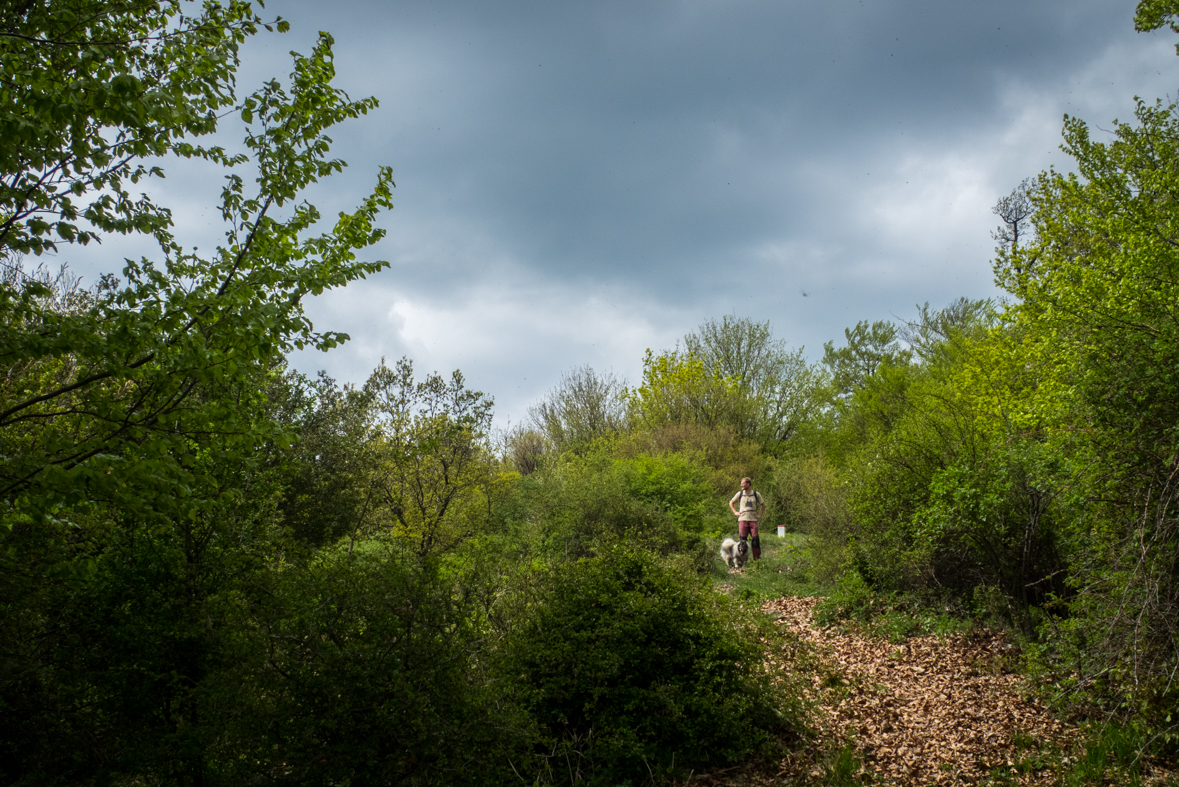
[748,506]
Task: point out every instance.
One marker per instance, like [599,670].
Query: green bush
[806,496]
[633,667]
[579,505]
[367,668]
[678,486]
[724,457]
[851,599]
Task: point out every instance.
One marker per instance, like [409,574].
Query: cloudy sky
[579,181]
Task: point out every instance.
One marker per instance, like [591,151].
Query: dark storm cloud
[579,181]
[617,164]
[589,135]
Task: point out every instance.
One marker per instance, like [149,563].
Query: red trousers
[749,528]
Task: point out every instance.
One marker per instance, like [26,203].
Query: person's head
[746,483]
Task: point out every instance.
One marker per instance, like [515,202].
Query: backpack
[758,502]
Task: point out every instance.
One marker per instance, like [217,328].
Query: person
[749,507]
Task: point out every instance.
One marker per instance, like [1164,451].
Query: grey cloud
[571,170]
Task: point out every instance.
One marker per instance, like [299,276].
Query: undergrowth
[853,605]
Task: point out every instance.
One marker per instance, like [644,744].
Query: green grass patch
[784,570]
[1109,753]
[852,605]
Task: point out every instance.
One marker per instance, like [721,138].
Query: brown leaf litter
[931,711]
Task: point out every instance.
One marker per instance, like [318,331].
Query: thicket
[632,665]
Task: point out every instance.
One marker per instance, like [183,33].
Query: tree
[1153,14]
[1098,313]
[584,406]
[930,333]
[678,388]
[329,471]
[1015,210]
[740,350]
[523,448]
[868,346]
[776,387]
[103,401]
[91,90]
[733,374]
[139,419]
[949,484]
[434,463]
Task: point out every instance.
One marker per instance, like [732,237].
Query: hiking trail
[929,711]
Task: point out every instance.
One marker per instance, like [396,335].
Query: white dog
[735,553]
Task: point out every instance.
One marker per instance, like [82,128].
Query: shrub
[366,667]
[634,668]
[726,457]
[807,495]
[678,486]
[573,507]
[851,599]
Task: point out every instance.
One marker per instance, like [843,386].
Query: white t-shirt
[748,505]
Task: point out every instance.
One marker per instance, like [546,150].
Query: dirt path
[930,711]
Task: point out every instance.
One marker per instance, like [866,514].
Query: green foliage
[807,495]
[948,484]
[578,506]
[434,465]
[104,401]
[1025,466]
[143,423]
[368,666]
[633,667]
[678,388]
[995,521]
[1153,14]
[1096,302]
[93,88]
[1110,753]
[731,374]
[584,407]
[850,599]
[842,767]
[894,616]
[106,666]
[212,572]
[724,456]
[524,449]
[680,487]
[868,346]
[1096,290]
[328,470]
[934,332]
[777,390]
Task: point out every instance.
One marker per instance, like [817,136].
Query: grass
[1106,755]
[852,605]
[784,570]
